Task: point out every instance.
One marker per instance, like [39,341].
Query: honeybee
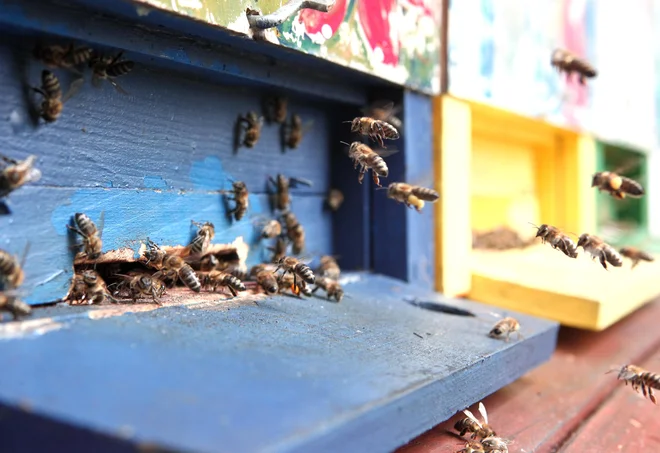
[275,109]
[249,129]
[262,267]
[297,268]
[331,287]
[51,91]
[216,278]
[286,281]
[473,425]
[11,270]
[240,198]
[292,134]
[279,251]
[495,444]
[295,232]
[204,236]
[239,272]
[282,185]
[109,68]
[329,268]
[472,447]
[367,158]
[335,199]
[209,263]
[557,239]
[411,195]
[376,130]
[16,173]
[91,236]
[12,304]
[95,288]
[617,186]
[63,57]
[565,61]
[504,328]
[143,285]
[636,255]
[267,280]
[271,230]
[597,248]
[639,377]
[171,267]
[383,111]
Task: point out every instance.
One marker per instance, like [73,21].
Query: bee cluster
[483,437]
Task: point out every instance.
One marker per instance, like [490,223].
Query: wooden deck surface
[569,405]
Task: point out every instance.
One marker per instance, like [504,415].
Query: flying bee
[292,134]
[95,289]
[331,287]
[473,425]
[240,198]
[295,232]
[376,130]
[16,173]
[63,57]
[557,239]
[597,248]
[495,444]
[275,109]
[504,328]
[334,200]
[11,269]
[285,281]
[282,185]
[51,91]
[109,68]
[368,159]
[565,61]
[204,236]
[271,230]
[328,267]
[639,377]
[411,195]
[12,304]
[297,268]
[143,285]
[215,279]
[279,251]
[248,129]
[267,280]
[383,111]
[617,186]
[91,236]
[636,255]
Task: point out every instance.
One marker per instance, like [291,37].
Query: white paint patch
[34,327]
[15,118]
[351,278]
[242,249]
[193,4]
[175,7]
[240,25]
[142,11]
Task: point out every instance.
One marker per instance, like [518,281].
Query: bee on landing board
[292,133]
[639,377]
[495,444]
[504,328]
[617,186]
[16,173]
[11,269]
[597,248]
[109,68]
[334,200]
[569,63]
[142,285]
[295,232]
[383,111]
[411,195]
[368,159]
[95,290]
[557,239]
[375,129]
[248,130]
[329,268]
[282,185]
[91,236]
[636,255]
[53,100]
[299,269]
[267,281]
[204,236]
[473,425]
[472,447]
[331,287]
[275,109]
[9,302]
[240,198]
[69,58]
[215,279]
[286,281]
[171,267]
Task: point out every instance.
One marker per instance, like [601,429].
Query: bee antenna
[533,225]
[382,188]
[347,121]
[344,143]
[613,369]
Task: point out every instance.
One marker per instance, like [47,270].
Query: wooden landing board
[541,411]
[286,375]
[576,292]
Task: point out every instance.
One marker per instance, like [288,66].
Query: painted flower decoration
[375,22]
[324,23]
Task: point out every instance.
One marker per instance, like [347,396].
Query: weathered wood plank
[298,375]
[540,410]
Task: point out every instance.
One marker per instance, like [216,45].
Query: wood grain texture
[542,410]
[285,375]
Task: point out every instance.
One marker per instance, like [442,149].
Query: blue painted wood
[298,375]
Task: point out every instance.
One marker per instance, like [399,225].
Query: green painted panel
[397,40]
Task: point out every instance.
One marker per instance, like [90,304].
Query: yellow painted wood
[453,233]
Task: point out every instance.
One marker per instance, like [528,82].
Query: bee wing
[386,106]
[293,182]
[101,223]
[96,81]
[628,166]
[482,411]
[8,160]
[117,87]
[25,253]
[385,152]
[75,86]
[472,417]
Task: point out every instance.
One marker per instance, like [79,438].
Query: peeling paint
[29,328]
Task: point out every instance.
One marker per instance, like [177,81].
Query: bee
[474,426]
[329,268]
[267,280]
[597,248]
[51,91]
[639,377]
[617,186]
[275,109]
[565,61]
[249,129]
[368,159]
[63,57]
[91,236]
[411,195]
[209,263]
[271,230]
[204,236]
[16,173]
[240,198]
[376,130]
[262,267]
[295,232]
[11,270]
[473,447]
[95,289]
[109,68]
[143,285]
[279,251]
[285,281]
[334,200]
[297,268]
[215,279]
[557,239]
[331,287]
[10,303]
[238,272]
[383,111]
[171,267]
[636,255]
[495,445]
[292,134]
[504,328]
[282,185]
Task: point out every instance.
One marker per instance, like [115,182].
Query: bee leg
[375,178]
[40,91]
[361,177]
[233,291]
[315,289]
[634,263]
[652,396]
[603,260]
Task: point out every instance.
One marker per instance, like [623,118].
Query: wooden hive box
[205,371]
